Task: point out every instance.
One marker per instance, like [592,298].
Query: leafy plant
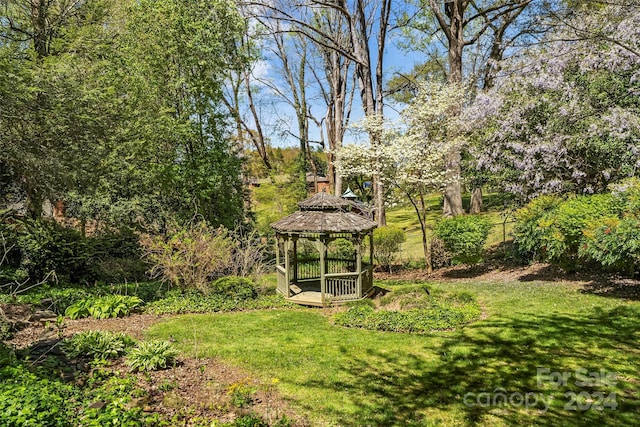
[575,231]
[97,344]
[464,237]
[103,307]
[241,393]
[27,400]
[387,244]
[194,302]
[250,420]
[151,356]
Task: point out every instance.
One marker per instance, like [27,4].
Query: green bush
[47,246]
[341,248]
[553,230]
[234,287]
[615,245]
[97,344]
[103,307]
[387,244]
[151,356]
[41,246]
[464,237]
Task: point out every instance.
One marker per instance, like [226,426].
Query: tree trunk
[453,190]
[476,201]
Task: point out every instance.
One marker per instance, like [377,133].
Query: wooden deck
[312,298]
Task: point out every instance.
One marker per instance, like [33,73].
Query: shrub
[387,244]
[190,257]
[233,287]
[341,248]
[97,344]
[615,245]
[46,246]
[552,230]
[151,356]
[464,237]
[103,307]
[41,246]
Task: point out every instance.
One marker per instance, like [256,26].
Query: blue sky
[278,115]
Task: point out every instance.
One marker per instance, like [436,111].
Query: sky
[279,119]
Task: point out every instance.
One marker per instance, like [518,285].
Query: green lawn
[346,377]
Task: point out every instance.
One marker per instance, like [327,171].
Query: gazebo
[308,271]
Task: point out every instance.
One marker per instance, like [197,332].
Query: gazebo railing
[339,286]
[342,287]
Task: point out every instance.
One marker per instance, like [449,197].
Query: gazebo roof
[323,222]
[349,194]
[324,202]
[324,213]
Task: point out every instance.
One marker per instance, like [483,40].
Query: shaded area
[500,355]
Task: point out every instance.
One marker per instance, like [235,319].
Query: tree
[567,120]
[360,17]
[412,155]
[117,110]
[334,78]
[463,23]
[239,96]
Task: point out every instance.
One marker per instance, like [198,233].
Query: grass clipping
[413,309]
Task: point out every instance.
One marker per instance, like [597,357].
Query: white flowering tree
[565,117]
[411,155]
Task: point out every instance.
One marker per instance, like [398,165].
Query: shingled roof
[323,202]
[324,213]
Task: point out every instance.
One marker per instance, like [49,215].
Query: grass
[352,377]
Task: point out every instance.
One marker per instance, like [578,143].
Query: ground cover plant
[412,308]
[59,297]
[177,302]
[530,332]
[30,397]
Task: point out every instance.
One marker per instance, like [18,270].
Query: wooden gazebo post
[322,248]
